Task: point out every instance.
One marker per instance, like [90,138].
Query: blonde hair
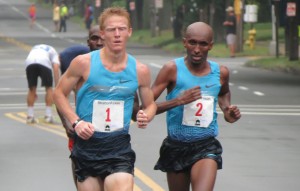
[111,11]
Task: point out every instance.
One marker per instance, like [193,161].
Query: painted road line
[264,113]
[136,188]
[270,106]
[12,116]
[41,121]
[37,125]
[18,93]
[272,109]
[155,65]
[37,105]
[15,42]
[55,129]
[269,110]
[258,93]
[243,88]
[147,179]
[271,113]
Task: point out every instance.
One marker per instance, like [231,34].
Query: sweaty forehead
[198,34]
[94,33]
[116,21]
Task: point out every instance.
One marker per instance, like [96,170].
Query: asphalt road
[261,151]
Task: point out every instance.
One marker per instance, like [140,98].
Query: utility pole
[272,47]
[238,11]
[293,37]
[153,18]
[275,22]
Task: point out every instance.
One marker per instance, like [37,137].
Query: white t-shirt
[42,54]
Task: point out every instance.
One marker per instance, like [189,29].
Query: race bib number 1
[108,116]
[199,113]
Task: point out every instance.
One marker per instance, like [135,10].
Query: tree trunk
[139,13]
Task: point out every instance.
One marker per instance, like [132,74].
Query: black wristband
[75,123]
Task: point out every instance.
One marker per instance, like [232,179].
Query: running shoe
[48,119]
[31,119]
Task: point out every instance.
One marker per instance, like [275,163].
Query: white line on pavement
[258,93]
[155,65]
[243,88]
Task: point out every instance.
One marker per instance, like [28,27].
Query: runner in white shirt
[41,61]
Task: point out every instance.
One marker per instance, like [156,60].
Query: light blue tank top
[103,84]
[210,85]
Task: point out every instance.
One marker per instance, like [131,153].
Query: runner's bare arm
[66,84]
[148,110]
[231,112]
[166,79]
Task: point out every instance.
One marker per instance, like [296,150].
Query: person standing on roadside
[63,17]
[56,17]
[230,25]
[41,61]
[106,81]
[191,154]
[88,16]
[32,14]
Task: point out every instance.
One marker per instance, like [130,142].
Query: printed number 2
[107,115]
[198,113]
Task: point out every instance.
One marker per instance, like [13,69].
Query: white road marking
[155,65]
[258,93]
[243,88]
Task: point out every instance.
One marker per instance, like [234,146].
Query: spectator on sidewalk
[88,16]
[71,11]
[56,17]
[32,14]
[63,17]
[230,24]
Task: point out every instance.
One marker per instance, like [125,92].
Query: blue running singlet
[198,120]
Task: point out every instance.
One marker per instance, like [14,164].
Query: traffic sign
[291,9]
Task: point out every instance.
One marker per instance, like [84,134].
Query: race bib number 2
[108,116]
[199,113]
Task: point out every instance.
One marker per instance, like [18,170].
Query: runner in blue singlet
[106,82]
[191,154]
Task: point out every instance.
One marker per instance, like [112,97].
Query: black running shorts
[178,156]
[100,158]
[33,71]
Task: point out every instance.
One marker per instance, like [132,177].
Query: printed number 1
[107,115]
[200,106]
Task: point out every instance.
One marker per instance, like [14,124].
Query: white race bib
[108,116]
[199,113]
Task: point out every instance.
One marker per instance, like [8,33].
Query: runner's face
[95,42]
[197,48]
[116,33]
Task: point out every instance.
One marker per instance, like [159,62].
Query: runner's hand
[232,114]
[84,130]
[142,119]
